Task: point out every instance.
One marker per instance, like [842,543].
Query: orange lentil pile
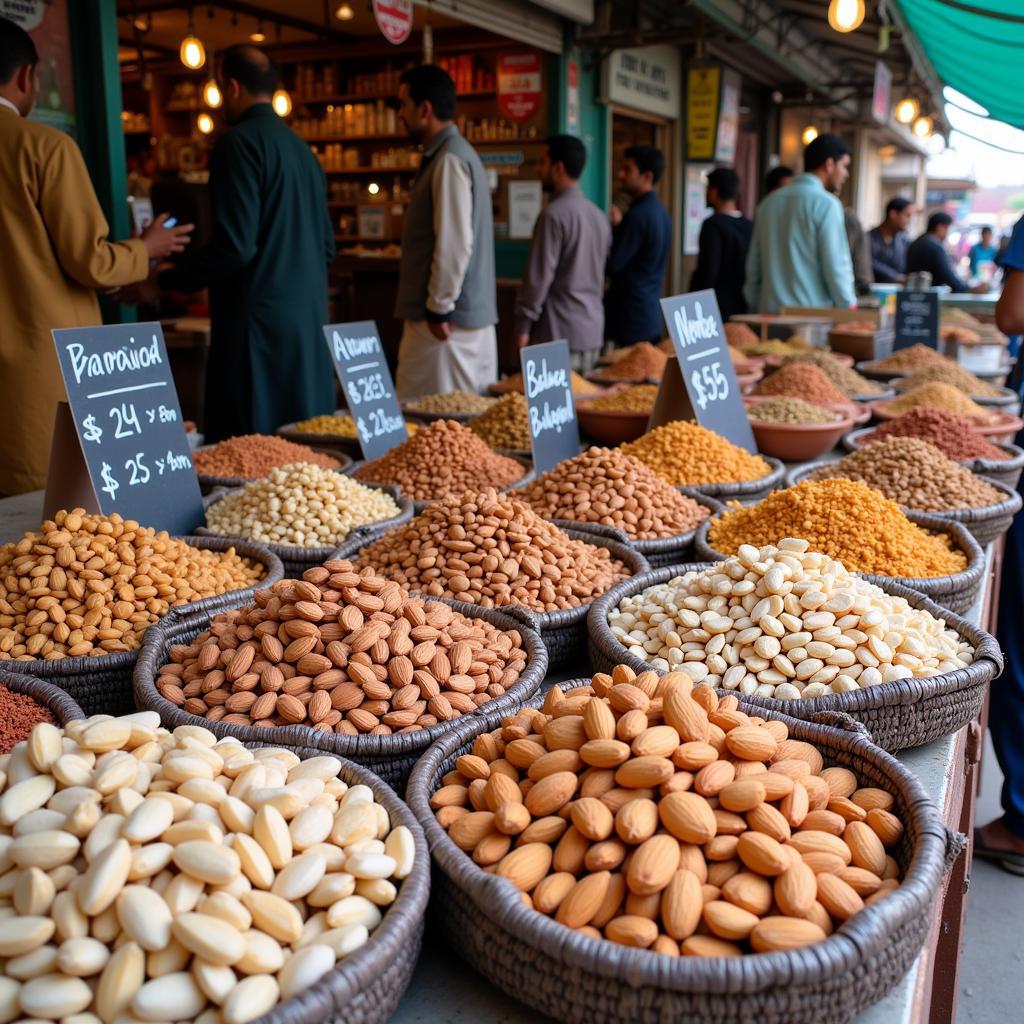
[846,520]
[801,380]
[254,455]
[643,361]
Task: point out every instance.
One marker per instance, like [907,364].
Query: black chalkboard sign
[125,410]
[695,326]
[366,383]
[917,319]
[547,384]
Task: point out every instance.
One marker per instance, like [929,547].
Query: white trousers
[467,361]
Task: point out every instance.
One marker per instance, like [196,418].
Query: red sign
[394,19]
[519,85]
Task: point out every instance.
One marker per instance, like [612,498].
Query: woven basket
[571,977]
[103,684]
[63,708]
[295,560]
[747,491]
[564,632]
[956,592]
[984,524]
[208,483]
[391,757]
[905,713]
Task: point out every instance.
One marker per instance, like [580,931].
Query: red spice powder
[19,713]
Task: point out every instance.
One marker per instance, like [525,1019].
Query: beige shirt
[453,226]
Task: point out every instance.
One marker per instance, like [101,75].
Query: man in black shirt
[889,242]
[724,240]
[929,253]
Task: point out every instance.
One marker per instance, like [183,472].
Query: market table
[445,990]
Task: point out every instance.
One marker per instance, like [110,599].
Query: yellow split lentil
[935,395]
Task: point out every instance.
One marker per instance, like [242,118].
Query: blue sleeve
[1014,255]
[627,240]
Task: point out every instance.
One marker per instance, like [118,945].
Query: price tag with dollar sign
[710,392]
[358,357]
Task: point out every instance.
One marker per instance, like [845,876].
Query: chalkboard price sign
[547,383]
[695,325]
[359,362]
[917,319]
[125,409]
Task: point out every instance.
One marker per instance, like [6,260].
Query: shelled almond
[648,811]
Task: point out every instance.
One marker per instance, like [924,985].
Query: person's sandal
[1006,859]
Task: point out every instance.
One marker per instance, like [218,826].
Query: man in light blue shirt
[799,255]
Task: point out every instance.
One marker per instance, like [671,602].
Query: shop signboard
[881,95]
[525,199]
[572,97]
[125,411]
[646,79]
[728,119]
[917,319]
[547,383]
[519,84]
[358,357]
[712,392]
[394,19]
[695,206]
[712,113]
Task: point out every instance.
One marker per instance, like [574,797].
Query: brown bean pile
[344,651]
[254,455]
[801,380]
[442,460]
[639,398]
[451,401]
[605,486]
[90,585]
[914,473]
[846,379]
[740,335]
[954,435]
[493,550]
[506,424]
[910,360]
[937,396]
[642,361]
[790,410]
[949,373]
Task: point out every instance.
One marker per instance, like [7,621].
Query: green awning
[975,46]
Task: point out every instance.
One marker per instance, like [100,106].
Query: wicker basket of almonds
[785,911]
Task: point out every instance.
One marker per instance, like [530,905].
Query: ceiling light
[282,103]
[211,94]
[204,123]
[922,127]
[259,36]
[344,12]
[845,15]
[809,134]
[192,51]
[373,188]
[906,110]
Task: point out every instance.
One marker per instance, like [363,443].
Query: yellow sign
[702,92]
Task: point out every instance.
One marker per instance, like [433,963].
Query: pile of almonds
[342,651]
[493,550]
[652,813]
[160,876]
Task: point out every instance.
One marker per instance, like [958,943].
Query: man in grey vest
[446,287]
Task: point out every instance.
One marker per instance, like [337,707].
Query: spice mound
[89,585]
[642,361]
[638,398]
[506,424]
[685,455]
[19,714]
[580,385]
[254,455]
[344,651]
[846,520]
[909,360]
[801,380]
[339,425]
[847,380]
[949,373]
[740,335]
[955,435]
[165,913]
[654,814]
[937,396]
[451,402]
[607,487]
[300,505]
[916,474]
[442,460]
[790,410]
[492,550]
[778,347]
[795,623]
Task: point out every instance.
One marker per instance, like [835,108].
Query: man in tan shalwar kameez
[55,254]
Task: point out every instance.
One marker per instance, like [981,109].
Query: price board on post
[547,384]
[129,424]
[359,362]
[917,319]
[695,326]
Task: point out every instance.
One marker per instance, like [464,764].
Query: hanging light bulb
[922,127]
[907,109]
[259,36]
[204,123]
[282,103]
[192,51]
[845,15]
[373,188]
[809,134]
[344,12]
[212,95]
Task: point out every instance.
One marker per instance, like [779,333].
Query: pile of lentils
[451,402]
[254,455]
[949,373]
[789,410]
[607,487]
[934,395]
[506,424]
[916,474]
[639,398]
[954,435]
[740,335]
[846,520]
[910,360]
[642,361]
[846,379]
[801,380]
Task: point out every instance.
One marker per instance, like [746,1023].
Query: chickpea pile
[506,424]
[790,410]
[451,402]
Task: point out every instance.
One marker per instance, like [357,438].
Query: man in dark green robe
[265,265]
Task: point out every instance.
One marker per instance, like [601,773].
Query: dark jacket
[928,253]
[888,259]
[722,261]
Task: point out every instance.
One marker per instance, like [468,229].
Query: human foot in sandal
[995,842]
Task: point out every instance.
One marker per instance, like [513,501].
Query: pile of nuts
[254,455]
[801,380]
[300,505]
[493,550]
[935,395]
[579,385]
[642,361]
[451,402]
[846,379]
[442,460]
[342,651]
[90,585]
[639,398]
[650,812]
[784,622]
[910,360]
[506,424]
[954,435]
[846,520]
[687,455]
[176,877]
[789,410]
[337,424]
[950,373]
[607,487]
[914,473]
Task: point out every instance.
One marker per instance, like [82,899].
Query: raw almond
[684,714]
[694,755]
[866,849]
[644,772]
[751,743]
[598,720]
[682,904]
[636,820]
[658,741]
[886,826]
[631,930]
[652,865]
[551,794]
[525,866]
[584,900]
[780,933]
[209,938]
[838,897]
[713,778]
[751,892]
[864,883]
[728,921]
[688,816]
[811,841]
[742,795]
[796,890]
[273,915]
[592,818]
[762,854]
[604,753]
[841,782]
[709,946]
